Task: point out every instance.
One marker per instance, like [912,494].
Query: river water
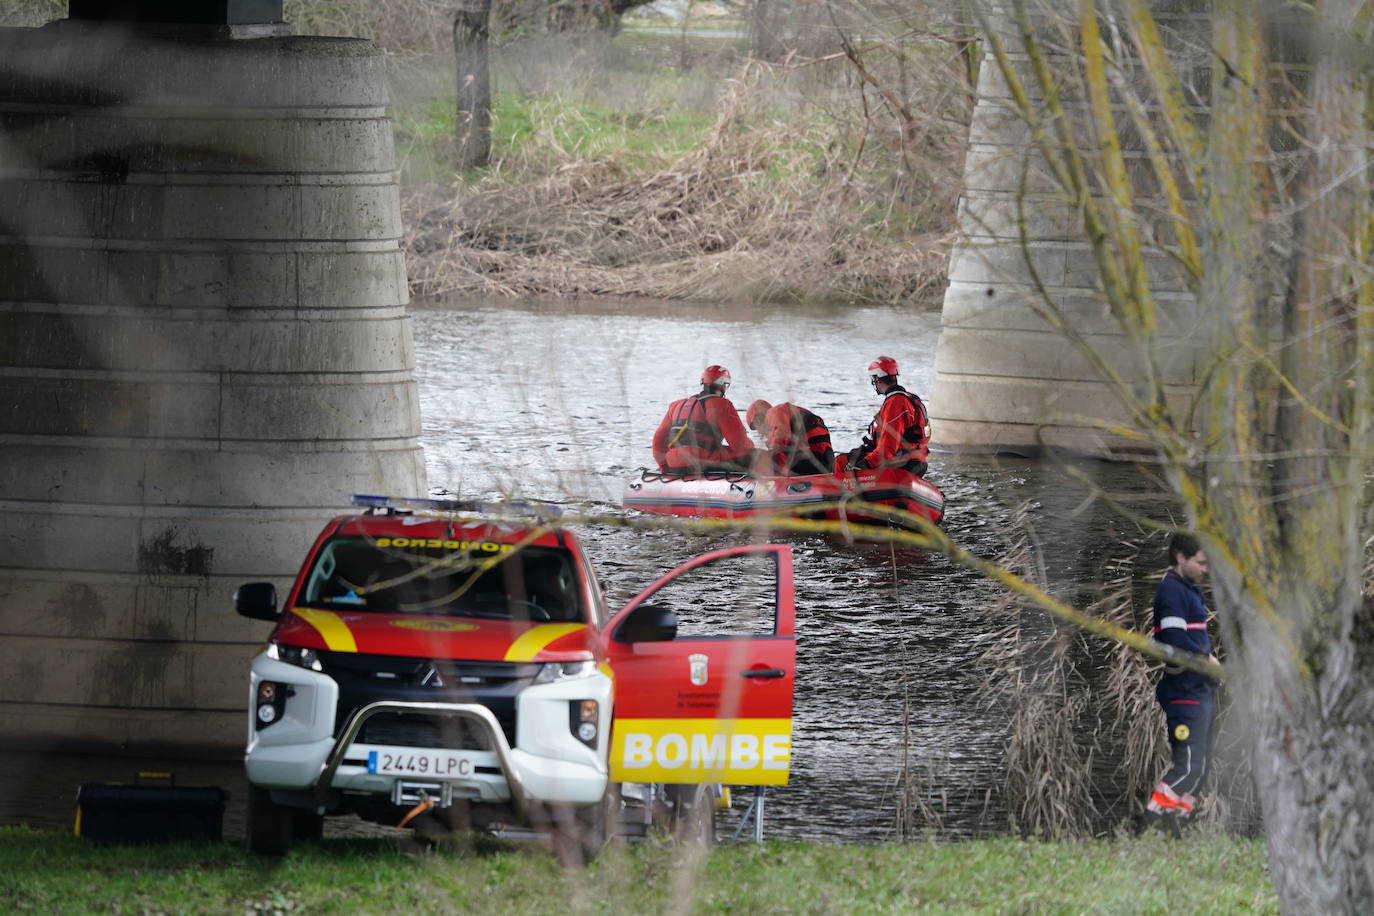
[558,401]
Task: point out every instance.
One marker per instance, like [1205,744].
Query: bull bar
[470,711]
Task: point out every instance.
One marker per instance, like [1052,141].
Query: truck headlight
[550,672]
[270,702]
[583,716]
[294,655]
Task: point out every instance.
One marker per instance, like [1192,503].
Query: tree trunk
[472,134]
[1316,783]
[966,40]
[764,43]
[1277,240]
[1307,660]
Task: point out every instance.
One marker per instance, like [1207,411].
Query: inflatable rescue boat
[819,496]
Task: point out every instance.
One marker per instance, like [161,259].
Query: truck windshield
[487,580]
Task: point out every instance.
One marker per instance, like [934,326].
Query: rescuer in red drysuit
[703,432]
[899,436]
[798,440]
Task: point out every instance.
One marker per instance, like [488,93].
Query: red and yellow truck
[426,660]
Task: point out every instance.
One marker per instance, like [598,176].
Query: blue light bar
[457,505]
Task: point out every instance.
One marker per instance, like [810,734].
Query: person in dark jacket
[798,441]
[899,436]
[1188,698]
[703,432]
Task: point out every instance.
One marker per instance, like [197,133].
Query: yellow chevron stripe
[534,640]
[337,636]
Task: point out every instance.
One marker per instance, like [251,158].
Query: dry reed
[1033,681]
[1086,738]
[915,786]
[920,799]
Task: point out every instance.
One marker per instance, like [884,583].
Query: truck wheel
[308,825]
[579,833]
[693,815]
[612,816]
[271,827]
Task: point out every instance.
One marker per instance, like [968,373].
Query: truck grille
[420,730]
[365,679]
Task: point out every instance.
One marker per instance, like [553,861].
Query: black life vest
[689,426]
[816,455]
[914,433]
[817,435]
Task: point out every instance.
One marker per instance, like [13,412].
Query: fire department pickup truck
[469,668]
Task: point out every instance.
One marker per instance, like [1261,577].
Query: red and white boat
[818,496]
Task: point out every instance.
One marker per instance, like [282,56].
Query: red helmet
[882,367]
[716,375]
[753,417]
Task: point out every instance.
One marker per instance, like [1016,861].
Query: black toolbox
[153,809]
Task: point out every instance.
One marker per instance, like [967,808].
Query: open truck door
[704,663]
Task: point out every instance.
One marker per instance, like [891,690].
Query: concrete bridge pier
[204,350]
[1006,381]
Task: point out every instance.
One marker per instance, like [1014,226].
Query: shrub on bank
[722,179]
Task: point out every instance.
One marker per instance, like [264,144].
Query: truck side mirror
[647,623]
[257,600]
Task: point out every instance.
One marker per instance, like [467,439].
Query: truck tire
[692,818]
[578,833]
[271,827]
[309,825]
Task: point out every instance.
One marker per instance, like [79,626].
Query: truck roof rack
[403,505]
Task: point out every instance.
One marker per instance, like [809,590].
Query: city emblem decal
[697,668]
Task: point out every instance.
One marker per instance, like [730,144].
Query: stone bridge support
[1005,380]
[204,350]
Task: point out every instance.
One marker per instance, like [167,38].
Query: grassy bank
[44,872]
[672,166]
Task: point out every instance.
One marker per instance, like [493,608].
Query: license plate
[413,762]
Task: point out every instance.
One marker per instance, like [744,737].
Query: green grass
[587,130]
[49,872]
[525,127]
[665,43]
[630,97]
[634,19]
